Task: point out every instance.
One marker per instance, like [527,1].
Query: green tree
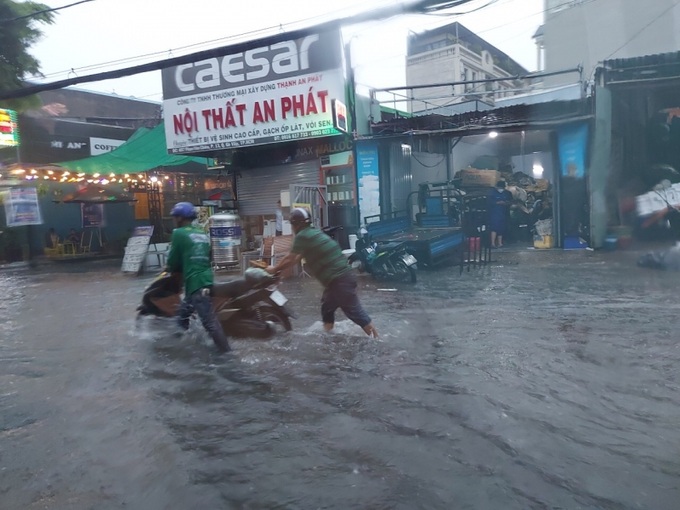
[18,33]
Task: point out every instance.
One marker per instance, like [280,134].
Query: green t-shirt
[323,256]
[190,255]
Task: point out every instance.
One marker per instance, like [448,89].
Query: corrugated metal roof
[516,115]
[660,66]
[642,61]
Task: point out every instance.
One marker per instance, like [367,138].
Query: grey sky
[116,31]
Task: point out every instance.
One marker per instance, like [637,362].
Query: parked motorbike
[385,261]
[248,307]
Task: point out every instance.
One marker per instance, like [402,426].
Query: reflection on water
[526,385]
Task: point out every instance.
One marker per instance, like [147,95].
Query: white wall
[469,149]
[607,29]
[427,167]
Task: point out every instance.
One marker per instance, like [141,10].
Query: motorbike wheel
[405,273]
[280,320]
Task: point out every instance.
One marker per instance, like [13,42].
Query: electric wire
[44,11]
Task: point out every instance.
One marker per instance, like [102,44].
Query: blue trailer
[432,246]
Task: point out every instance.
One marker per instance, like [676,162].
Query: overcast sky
[102,35]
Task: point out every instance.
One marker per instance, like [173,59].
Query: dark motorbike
[248,307]
[385,261]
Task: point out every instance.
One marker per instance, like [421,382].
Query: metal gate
[312,198]
[258,189]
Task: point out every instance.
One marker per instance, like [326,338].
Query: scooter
[248,307]
[384,261]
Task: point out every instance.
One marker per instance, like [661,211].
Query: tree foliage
[18,32]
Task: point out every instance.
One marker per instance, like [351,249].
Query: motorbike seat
[231,288]
[390,246]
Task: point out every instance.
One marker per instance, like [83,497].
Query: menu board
[136,249]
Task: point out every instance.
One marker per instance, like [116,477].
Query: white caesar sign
[263,94]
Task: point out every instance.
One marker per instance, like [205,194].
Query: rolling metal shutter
[259,188]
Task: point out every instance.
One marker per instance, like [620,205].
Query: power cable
[199,44]
[382,13]
[44,11]
[636,34]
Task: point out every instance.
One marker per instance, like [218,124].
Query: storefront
[271,114]
[539,151]
[638,107]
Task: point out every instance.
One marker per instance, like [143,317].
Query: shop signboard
[103,145]
[136,249]
[268,91]
[21,207]
[9,131]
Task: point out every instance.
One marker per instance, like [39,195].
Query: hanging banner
[21,207]
[264,93]
[573,143]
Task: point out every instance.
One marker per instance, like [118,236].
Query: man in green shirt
[190,255]
[324,259]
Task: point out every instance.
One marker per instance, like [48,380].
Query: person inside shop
[73,237]
[324,259]
[51,239]
[190,255]
[499,203]
[279,219]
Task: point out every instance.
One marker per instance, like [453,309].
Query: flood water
[541,382]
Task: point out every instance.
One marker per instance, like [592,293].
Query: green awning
[143,152]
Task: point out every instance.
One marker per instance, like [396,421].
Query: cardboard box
[477,177]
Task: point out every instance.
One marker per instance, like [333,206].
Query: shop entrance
[312,198]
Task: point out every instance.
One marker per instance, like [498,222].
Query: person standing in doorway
[325,261]
[279,219]
[500,200]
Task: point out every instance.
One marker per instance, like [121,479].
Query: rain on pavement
[543,381]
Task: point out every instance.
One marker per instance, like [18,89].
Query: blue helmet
[184,210]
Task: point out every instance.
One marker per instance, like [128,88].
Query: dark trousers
[342,293]
[279,232]
[201,303]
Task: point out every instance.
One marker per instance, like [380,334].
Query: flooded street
[545,381]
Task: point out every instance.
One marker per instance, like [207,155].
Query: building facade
[588,32]
[454,54]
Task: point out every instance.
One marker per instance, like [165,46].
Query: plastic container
[610,243]
[225,239]
[575,243]
[474,243]
[543,242]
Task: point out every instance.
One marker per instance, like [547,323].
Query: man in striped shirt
[325,261]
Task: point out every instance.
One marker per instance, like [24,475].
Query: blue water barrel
[225,239]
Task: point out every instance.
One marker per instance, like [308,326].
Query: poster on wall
[573,143]
[274,90]
[368,173]
[92,215]
[22,208]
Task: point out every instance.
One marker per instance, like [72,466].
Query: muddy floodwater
[545,381]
